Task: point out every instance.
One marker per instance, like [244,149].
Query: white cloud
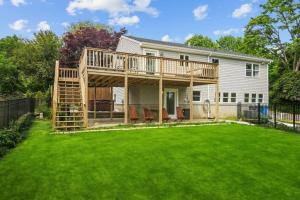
[200,12]
[242,11]
[43,26]
[65,24]
[1,2]
[230,31]
[18,3]
[113,7]
[18,25]
[166,38]
[122,21]
[189,36]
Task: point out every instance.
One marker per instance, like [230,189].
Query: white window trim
[232,97]
[211,59]
[199,95]
[252,98]
[249,96]
[259,67]
[156,53]
[184,55]
[228,97]
[262,99]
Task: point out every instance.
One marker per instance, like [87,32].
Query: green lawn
[205,162]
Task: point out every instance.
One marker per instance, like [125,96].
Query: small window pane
[233,97]
[248,69]
[260,98]
[253,98]
[255,70]
[215,60]
[246,98]
[196,96]
[187,57]
[181,58]
[225,97]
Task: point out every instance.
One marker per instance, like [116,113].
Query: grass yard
[205,162]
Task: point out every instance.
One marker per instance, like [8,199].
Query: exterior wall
[231,76]
[129,46]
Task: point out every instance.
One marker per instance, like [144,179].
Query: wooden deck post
[217,95]
[111,103]
[54,97]
[191,95]
[95,93]
[160,93]
[126,91]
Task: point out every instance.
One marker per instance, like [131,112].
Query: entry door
[150,63]
[171,101]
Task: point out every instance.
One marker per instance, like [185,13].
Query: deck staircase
[68,112]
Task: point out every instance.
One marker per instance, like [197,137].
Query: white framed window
[184,57]
[215,60]
[219,97]
[246,97]
[260,98]
[233,97]
[196,95]
[252,70]
[225,96]
[253,98]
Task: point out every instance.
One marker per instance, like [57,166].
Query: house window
[219,97]
[253,98]
[184,57]
[225,97]
[215,60]
[255,70]
[233,97]
[252,70]
[260,98]
[246,98]
[196,95]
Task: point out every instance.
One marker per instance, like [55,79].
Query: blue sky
[169,20]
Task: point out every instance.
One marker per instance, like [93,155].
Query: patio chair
[165,115]
[133,114]
[148,116]
[179,113]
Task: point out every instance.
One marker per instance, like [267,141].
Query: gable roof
[213,52]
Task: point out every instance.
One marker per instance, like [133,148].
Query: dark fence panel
[278,115]
[255,113]
[10,110]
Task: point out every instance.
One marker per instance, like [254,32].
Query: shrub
[9,138]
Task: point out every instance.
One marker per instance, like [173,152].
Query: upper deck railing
[99,59]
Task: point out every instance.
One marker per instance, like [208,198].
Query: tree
[36,61]
[264,32]
[9,44]
[88,24]
[202,41]
[74,43]
[286,88]
[230,43]
[10,83]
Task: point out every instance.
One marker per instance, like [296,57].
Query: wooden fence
[11,110]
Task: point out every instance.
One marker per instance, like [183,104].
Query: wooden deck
[103,68]
[106,68]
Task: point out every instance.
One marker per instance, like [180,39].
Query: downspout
[208,87]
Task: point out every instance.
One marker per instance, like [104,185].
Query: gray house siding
[129,46]
[232,77]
